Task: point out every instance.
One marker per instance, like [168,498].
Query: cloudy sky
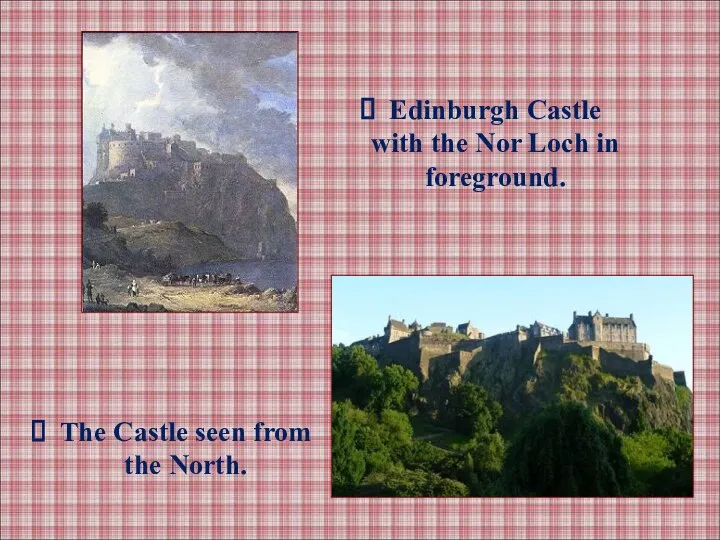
[227,91]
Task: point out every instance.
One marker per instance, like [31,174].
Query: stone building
[538,329]
[440,328]
[119,152]
[609,341]
[607,329]
[470,331]
[396,330]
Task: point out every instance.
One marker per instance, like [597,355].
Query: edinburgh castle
[438,348]
[123,155]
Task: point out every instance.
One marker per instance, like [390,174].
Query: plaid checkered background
[650,209]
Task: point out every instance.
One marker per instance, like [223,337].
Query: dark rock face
[524,378]
[525,382]
[231,200]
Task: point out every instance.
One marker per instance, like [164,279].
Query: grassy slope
[185,246]
[106,247]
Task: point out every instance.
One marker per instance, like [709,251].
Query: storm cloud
[228,91]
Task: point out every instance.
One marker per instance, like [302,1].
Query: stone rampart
[124,154]
[405,352]
[437,355]
[638,352]
[679,378]
[662,371]
[130,153]
[373,345]
[622,366]
[428,354]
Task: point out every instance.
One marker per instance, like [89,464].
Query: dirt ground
[113,283]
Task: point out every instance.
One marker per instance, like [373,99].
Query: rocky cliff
[524,382]
[231,200]
[524,377]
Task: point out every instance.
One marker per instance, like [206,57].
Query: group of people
[198,279]
[87,293]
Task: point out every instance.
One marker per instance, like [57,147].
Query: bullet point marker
[367,112]
[38,431]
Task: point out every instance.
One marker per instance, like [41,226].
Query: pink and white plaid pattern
[650,209]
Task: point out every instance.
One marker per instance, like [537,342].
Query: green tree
[381,441]
[426,457]
[564,451]
[471,410]
[661,462]
[408,483]
[396,426]
[469,476]
[348,463]
[355,375]
[488,450]
[95,215]
[393,385]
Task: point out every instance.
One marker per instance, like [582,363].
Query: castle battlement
[611,341]
[120,151]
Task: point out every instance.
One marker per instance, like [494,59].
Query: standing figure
[88,291]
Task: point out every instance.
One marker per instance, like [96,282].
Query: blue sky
[661,306]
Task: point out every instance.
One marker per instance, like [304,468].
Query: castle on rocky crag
[610,341]
[125,155]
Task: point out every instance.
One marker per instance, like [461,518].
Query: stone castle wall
[510,340]
[468,345]
[129,153]
[552,343]
[442,366]
[397,334]
[662,371]
[622,366]
[405,352]
[635,351]
[507,347]
[373,345]
[428,355]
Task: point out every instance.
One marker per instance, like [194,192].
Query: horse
[170,279]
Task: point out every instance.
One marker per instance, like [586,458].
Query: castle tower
[597,324]
[103,153]
[396,330]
